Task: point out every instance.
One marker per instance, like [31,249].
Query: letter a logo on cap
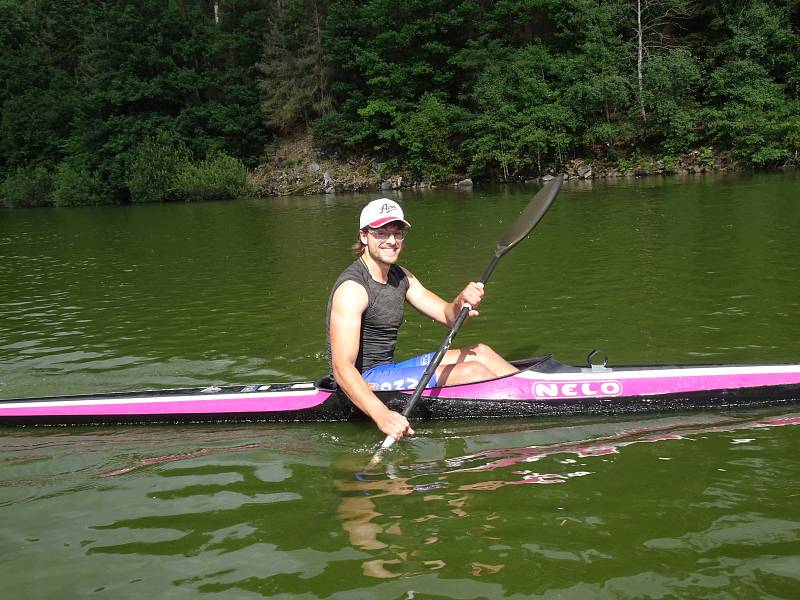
[380,212]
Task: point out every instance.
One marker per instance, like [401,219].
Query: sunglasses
[384,234]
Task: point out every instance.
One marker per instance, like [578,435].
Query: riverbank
[297,167]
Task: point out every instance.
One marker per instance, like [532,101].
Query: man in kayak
[365,311]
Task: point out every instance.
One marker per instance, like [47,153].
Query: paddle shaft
[439,356]
[518,231]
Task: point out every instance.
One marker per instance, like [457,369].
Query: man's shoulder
[351,284]
[349,293]
[399,271]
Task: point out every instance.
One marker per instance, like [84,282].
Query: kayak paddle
[526,221]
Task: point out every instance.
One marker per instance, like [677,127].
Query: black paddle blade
[529,217]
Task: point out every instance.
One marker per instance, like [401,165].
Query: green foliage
[38,91]
[501,89]
[162,169]
[769,155]
[541,81]
[217,177]
[291,162]
[488,144]
[75,185]
[748,109]
[426,135]
[598,78]
[706,156]
[386,56]
[522,120]
[748,101]
[625,165]
[332,131]
[294,78]
[165,66]
[381,119]
[791,131]
[671,80]
[611,140]
[632,163]
[670,163]
[27,187]
[154,166]
[87,82]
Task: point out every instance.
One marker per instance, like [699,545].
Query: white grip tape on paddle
[388,442]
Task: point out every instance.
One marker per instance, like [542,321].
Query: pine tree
[294,84]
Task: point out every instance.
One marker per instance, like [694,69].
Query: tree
[294,85]
[596,79]
[489,139]
[521,113]
[747,107]
[670,95]
[39,45]
[427,135]
[386,56]
[654,29]
[178,68]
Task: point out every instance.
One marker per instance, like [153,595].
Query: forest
[157,100]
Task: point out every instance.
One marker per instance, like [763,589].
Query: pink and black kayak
[542,387]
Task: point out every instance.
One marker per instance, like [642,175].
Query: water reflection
[444,497]
[511,506]
[582,441]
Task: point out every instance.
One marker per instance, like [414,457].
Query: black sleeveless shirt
[383,317]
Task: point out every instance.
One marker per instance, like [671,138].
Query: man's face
[384,243]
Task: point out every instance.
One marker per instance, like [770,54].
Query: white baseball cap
[380,212]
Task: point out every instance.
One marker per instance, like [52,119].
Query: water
[698,505]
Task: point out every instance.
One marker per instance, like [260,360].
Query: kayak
[542,387]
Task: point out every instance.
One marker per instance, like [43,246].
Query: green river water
[679,505]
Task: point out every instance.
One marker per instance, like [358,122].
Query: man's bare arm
[347,307]
[434,307]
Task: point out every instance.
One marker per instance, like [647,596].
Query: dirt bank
[296,167]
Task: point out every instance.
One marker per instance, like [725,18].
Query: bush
[27,187]
[75,186]
[332,131]
[426,136]
[218,176]
[670,163]
[769,156]
[706,157]
[154,169]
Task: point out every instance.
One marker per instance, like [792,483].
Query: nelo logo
[577,389]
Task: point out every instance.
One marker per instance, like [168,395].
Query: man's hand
[472,295]
[394,425]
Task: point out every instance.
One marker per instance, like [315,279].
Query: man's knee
[491,360]
[473,371]
[482,352]
[462,372]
